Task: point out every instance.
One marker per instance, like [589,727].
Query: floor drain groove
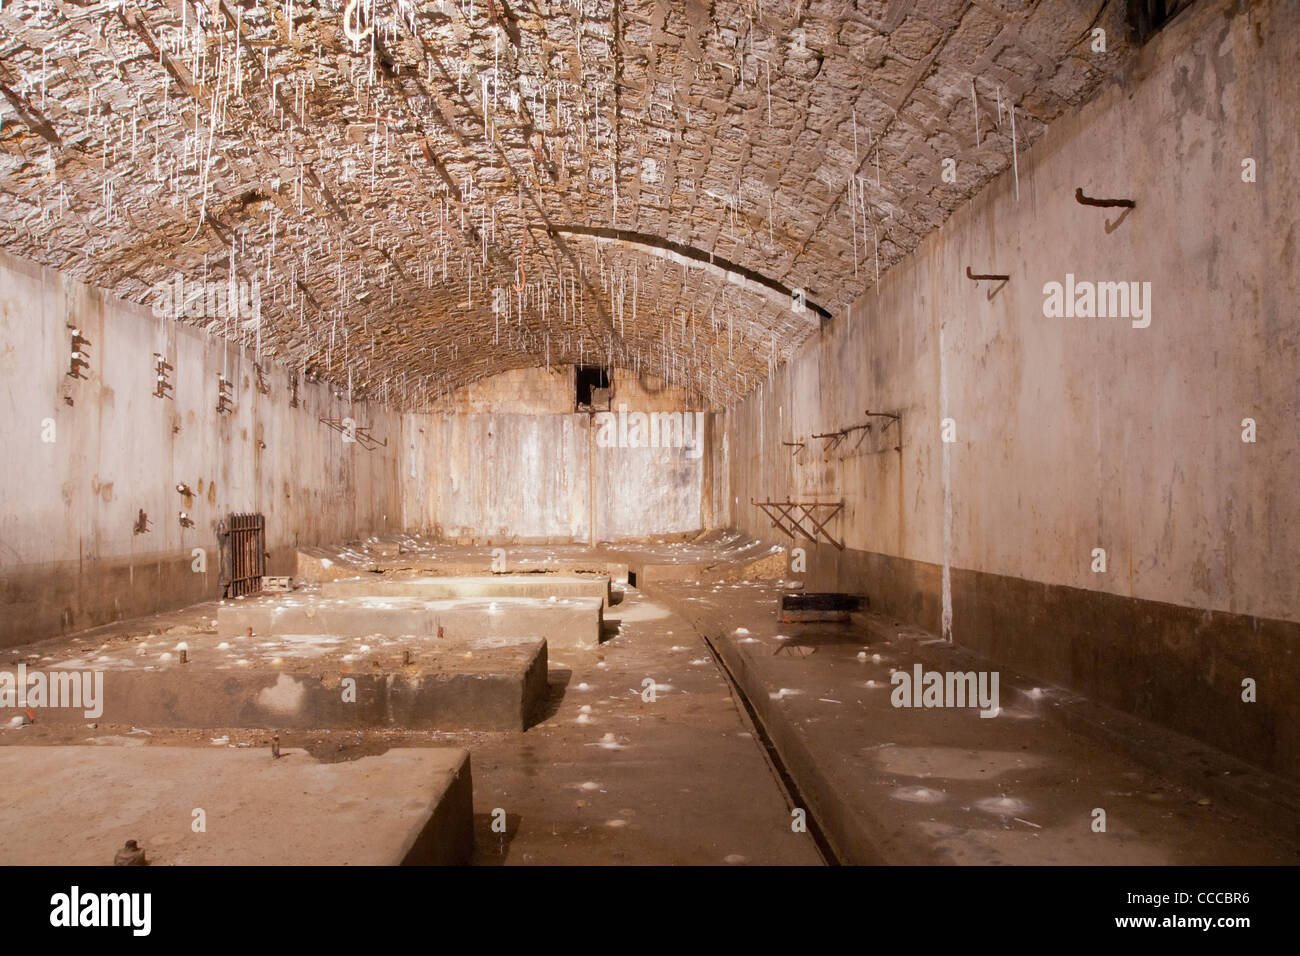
[792,792]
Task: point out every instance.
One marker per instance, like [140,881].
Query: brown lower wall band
[38,601]
[1177,666]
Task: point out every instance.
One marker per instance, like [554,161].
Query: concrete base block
[769,567]
[314,683]
[429,588]
[78,805]
[319,564]
[563,622]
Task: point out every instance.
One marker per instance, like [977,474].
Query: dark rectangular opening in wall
[592,385]
[243,554]
[1146,17]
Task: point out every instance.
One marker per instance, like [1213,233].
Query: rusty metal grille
[243,547]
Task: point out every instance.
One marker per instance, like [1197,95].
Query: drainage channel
[793,794]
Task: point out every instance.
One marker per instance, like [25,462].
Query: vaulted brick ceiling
[381,190]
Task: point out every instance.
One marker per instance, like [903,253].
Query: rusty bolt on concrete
[275,746]
[130,855]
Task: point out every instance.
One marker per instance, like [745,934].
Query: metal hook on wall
[991,276]
[1089,201]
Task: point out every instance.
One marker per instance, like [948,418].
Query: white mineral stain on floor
[955,763]
[1003,806]
[639,611]
[918,795]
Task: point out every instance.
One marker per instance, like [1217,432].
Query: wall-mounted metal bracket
[224,395]
[783,516]
[1089,201]
[893,419]
[890,415]
[162,384]
[836,437]
[78,359]
[994,277]
[798,446]
[352,432]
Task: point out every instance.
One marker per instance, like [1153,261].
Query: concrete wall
[69,558]
[510,459]
[1082,433]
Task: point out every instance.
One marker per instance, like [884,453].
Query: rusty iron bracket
[163,385]
[890,415]
[798,446]
[836,437]
[991,276]
[893,419]
[783,517]
[225,395]
[1089,201]
[359,434]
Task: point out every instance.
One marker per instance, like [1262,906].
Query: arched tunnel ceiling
[412,203]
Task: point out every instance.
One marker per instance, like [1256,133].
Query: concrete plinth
[429,588]
[305,682]
[563,622]
[78,805]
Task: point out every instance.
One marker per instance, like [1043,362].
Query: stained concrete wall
[511,460]
[1082,433]
[69,557]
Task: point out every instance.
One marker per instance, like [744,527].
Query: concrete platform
[297,682]
[78,805]
[541,586]
[715,556]
[424,555]
[943,785]
[562,622]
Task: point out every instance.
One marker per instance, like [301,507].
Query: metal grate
[817,606]
[243,547]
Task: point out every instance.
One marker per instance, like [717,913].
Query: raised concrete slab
[312,681]
[417,554]
[562,622]
[321,564]
[78,805]
[713,556]
[542,586]
[928,785]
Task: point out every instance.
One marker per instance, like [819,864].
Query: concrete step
[78,805]
[441,587]
[891,784]
[563,622]
[305,682]
[648,570]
